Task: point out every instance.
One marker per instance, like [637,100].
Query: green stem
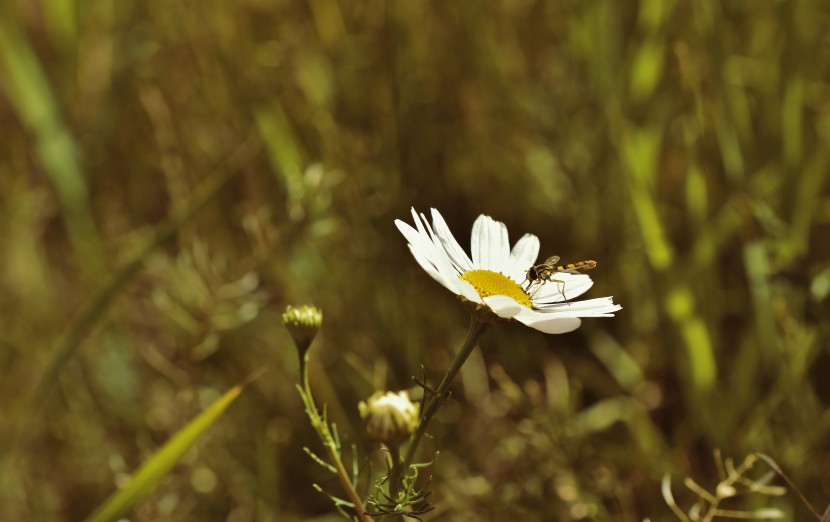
[303,353]
[436,400]
[397,469]
[396,473]
[322,428]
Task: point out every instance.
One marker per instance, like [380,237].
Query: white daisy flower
[496,276]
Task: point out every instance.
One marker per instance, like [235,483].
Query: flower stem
[397,469]
[322,428]
[437,399]
[396,475]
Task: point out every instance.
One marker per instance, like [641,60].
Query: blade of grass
[62,21]
[159,465]
[34,101]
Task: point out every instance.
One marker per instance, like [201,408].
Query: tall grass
[683,145]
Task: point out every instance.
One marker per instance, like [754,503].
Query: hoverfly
[545,272]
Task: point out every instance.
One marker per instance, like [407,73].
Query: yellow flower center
[489,283]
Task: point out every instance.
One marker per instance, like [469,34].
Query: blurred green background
[173,173]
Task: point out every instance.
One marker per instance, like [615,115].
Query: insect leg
[541,282]
[560,285]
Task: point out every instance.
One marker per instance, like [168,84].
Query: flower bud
[303,323]
[389,417]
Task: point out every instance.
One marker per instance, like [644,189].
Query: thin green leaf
[320,461]
[337,500]
[355,467]
[159,465]
[335,437]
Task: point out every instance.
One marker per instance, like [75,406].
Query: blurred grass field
[172,174]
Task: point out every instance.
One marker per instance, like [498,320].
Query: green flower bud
[303,323]
[389,417]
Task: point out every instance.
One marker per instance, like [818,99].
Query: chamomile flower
[495,276]
[389,417]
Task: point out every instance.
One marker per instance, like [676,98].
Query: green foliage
[411,500]
[734,481]
[173,174]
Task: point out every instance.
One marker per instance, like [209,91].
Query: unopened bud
[389,417]
[303,323]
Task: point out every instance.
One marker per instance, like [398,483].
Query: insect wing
[552,260]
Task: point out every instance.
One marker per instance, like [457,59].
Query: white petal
[517,275]
[417,219]
[478,248]
[500,248]
[503,306]
[454,250]
[452,268]
[572,285]
[413,237]
[549,323]
[490,246]
[525,251]
[429,253]
[430,269]
[517,272]
[600,307]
